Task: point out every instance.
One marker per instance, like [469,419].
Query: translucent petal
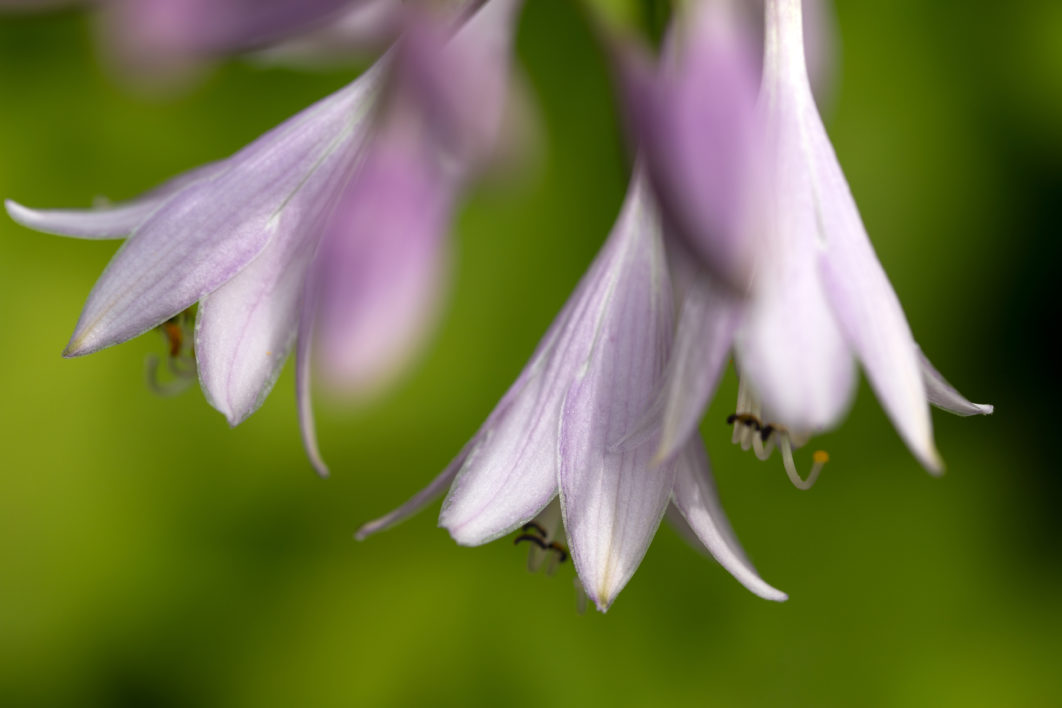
[697,499]
[612,497]
[944,396]
[205,234]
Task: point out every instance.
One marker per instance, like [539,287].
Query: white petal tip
[773,595]
[985,408]
[321,469]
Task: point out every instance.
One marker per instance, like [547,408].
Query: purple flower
[818,301]
[559,432]
[336,218]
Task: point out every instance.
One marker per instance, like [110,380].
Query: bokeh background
[151,556]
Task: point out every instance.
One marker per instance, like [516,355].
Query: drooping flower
[818,300]
[557,432]
[243,236]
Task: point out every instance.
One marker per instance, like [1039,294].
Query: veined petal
[697,499]
[385,260]
[108,222]
[511,474]
[944,396]
[697,122]
[205,234]
[364,27]
[707,321]
[612,497]
[858,291]
[245,328]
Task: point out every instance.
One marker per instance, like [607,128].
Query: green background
[151,556]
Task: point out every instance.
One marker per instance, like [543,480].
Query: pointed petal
[421,499]
[697,500]
[612,497]
[246,327]
[512,473]
[116,221]
[384,265]
[361,30]
[858,291]
[207,233]
[303,382]
[705,331]
[697,122]
[944,396]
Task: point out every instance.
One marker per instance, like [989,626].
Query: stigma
[751,432]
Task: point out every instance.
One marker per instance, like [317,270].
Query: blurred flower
[168,39]
[557,431]
[242,237]
[819,298]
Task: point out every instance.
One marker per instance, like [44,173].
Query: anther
[562,551]
[532,526]
[537,540]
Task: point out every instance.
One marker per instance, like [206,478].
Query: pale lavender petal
[944,396]
[613,498]
[107,222]
[790,348]
[697,121]
[421,499]
[820,42]
[462,82]
[384,263]
[160,31]
[511,474]
[363,28]
[708,320]
[207,233]
[858,291]
[303,381]
[697,499]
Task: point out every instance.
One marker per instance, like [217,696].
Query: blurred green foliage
[150,556]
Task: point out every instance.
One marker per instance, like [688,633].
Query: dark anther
[532,538]
[174,335]
[745,419]
[562,552]
[766,432]
[532,526]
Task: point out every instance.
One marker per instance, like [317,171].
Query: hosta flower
[558,432]
[818,299]
[363,168]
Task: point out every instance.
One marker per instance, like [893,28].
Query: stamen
[532,526]
[179,384]
[582,600]
[819,460]
[532,538]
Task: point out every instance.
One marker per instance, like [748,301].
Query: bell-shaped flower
[243,238]
[819,301]
[559,430]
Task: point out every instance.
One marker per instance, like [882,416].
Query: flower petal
[384,264]
[303,381]
[115,221]
[707,322]
[697,499]
[859,293]
[421,499]
[697,121]
[612,497]
[208,232]
[511,474]
[944,396]
[791,348]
